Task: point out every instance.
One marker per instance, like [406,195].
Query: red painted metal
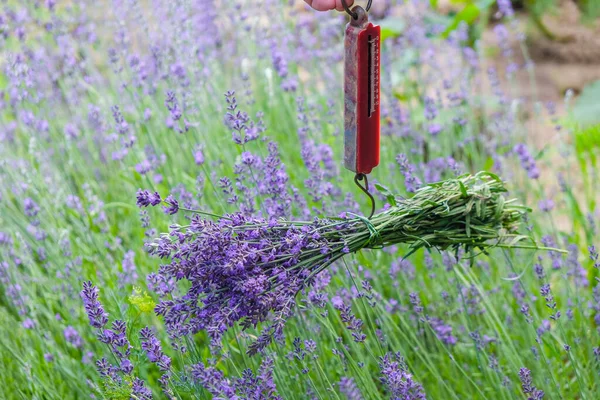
[361,91]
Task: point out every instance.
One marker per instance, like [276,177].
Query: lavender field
[176,221]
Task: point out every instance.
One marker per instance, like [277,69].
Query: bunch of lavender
[248,269]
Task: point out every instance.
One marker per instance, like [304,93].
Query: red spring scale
[361,93]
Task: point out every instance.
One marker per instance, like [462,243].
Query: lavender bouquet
[249,269]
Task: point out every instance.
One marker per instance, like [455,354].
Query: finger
[323,5]
[340,7]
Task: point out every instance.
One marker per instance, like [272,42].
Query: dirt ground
[568,62]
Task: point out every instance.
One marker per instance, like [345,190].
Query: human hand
[326,5]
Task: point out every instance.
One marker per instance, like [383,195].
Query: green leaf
[587,139]
[542,152]
[468,224]
[463,189]
[591,9]
[586,108]
[490,174]
[485,4]
[469,14]
[387,193]
[391,27]
[489,164]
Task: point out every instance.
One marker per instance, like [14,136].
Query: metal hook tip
[359,177]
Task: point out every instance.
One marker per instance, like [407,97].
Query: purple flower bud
[172,207]
[546,205]
[527,385]
[72,336]
[198,157]
[398,381]
[434,129]
[126,366]
[29,323]
[31,207]
[505,8]
[349,389]
[145,198]
[96,314]
[527,161]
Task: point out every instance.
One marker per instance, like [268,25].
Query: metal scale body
[361,93]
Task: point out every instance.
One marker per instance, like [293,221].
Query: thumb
[326,5]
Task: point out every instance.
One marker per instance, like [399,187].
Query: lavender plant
[98,99]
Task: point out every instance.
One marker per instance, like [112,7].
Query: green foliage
[391,27]
[586,109]
[591,9]
[587,139]
[141,300]
[117,390]
[469,14]
[540,7]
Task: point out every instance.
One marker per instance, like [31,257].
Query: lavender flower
[243,128]
[415,301]
[129,274]
[397,380]
[546,205]
[116,338]
[260,386]
[72,336]
[172,206]
[96,314]
[29,323]
[248,386]
[544,327]
[140,391]
[527,161]
[213,381]
[525,311]
[505,8]
[175,113]
[349,389]
[31,208]
[145,198]
[443,331]
[411,181]
[151,345]
[594,256]
[353,323]
[198,156]
[527,385]
[550,302]
[539,271]
[575,269]
[555,256]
